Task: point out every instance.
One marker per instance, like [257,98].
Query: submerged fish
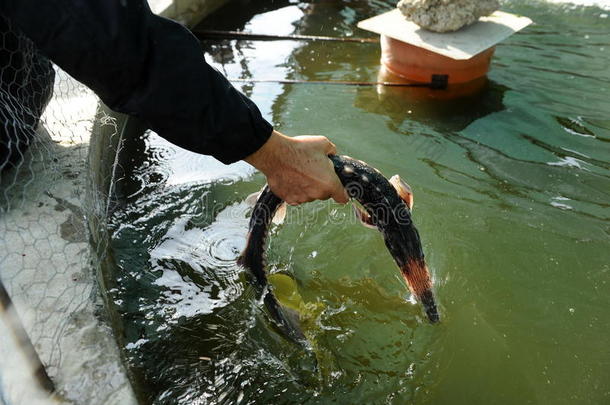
[384,205]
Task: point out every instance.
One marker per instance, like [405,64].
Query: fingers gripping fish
[384,205]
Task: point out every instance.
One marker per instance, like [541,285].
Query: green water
[512,196]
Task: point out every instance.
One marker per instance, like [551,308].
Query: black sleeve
[147,66]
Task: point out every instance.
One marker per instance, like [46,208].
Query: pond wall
[53,207]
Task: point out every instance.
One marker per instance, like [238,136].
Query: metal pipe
[24,342]
[217,34]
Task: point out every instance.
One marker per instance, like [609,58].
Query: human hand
[298,169]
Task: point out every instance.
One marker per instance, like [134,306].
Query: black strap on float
[216,34]
[437,82]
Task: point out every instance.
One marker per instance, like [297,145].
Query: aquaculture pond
[512,198]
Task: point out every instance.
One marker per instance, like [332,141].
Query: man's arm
[147,66]
[153,68]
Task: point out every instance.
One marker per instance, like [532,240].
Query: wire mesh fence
[59,152]
[46,263]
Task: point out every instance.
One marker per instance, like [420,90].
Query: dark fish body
[390,213]
[386,206]
[253,258]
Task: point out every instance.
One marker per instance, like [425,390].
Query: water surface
[511,188]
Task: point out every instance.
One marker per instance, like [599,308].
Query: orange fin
[363,217]
[280,214]
[252,198]
[403,190]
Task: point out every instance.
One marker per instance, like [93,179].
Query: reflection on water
[217,247]
[416,106]
[511,188]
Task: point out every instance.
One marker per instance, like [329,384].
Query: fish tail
[418,279]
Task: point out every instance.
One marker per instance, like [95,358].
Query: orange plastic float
[419,65]
[460,59]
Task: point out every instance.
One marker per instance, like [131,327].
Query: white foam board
[462,44]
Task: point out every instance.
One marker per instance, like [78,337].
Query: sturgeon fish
[383,204]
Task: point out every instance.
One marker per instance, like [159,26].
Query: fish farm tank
[141,300]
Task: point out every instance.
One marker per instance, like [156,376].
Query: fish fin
[280,214]
[403,190]
[363,217]
[252,198]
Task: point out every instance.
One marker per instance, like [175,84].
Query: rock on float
[460,50]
